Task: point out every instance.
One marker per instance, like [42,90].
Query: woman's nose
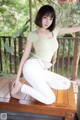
[47,20]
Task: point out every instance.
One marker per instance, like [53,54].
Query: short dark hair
[46,10]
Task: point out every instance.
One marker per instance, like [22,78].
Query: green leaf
[8,48]
[17,33]
[25,28]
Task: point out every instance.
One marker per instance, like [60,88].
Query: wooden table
[64,105]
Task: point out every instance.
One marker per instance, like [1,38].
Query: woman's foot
[15,88]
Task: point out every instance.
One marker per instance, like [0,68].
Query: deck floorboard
[63,106]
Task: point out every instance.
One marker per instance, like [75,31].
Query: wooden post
[78,103]
[20,47]
[75,57]
[69,116]
[30,6]
[0,57]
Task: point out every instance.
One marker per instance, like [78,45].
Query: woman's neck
[43,30]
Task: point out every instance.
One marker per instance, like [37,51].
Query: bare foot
[16,88]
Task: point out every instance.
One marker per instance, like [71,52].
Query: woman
[35,69]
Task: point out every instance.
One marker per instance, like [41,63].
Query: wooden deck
[64,105]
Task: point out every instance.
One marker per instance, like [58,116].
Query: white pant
[41,81]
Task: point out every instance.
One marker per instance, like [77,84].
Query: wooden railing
[66,61]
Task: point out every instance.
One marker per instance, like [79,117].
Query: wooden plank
[2,83]
[2,99]
[35,107]
[71,98]
[64,103]
[68,61]
[5,89]
[0,80]
[56,93]
[62,97]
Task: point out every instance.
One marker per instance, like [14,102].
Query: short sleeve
[31,36]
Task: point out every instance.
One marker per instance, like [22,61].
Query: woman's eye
[51,18]
[44,17]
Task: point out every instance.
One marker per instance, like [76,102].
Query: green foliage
[13,14]
[20,31]
[8,48]
[4,74]
[66,48]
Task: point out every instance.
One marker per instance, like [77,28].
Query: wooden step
[64,105]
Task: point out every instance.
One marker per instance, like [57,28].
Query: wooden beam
[30,9]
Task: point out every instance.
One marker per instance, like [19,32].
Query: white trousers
[41,81]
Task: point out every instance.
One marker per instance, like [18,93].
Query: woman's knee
[50,99]
[67,84]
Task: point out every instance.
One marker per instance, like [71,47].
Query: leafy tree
[13,15]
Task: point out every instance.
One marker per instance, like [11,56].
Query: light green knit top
[44,48]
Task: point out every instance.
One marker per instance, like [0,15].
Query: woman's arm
[24,58]
[69,30]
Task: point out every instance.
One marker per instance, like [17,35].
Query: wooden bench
[64,105]
[78,102]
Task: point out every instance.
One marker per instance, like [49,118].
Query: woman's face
[46,21]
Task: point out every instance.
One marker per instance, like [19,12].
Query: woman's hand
[16,86]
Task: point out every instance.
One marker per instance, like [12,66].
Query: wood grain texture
[63,106]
